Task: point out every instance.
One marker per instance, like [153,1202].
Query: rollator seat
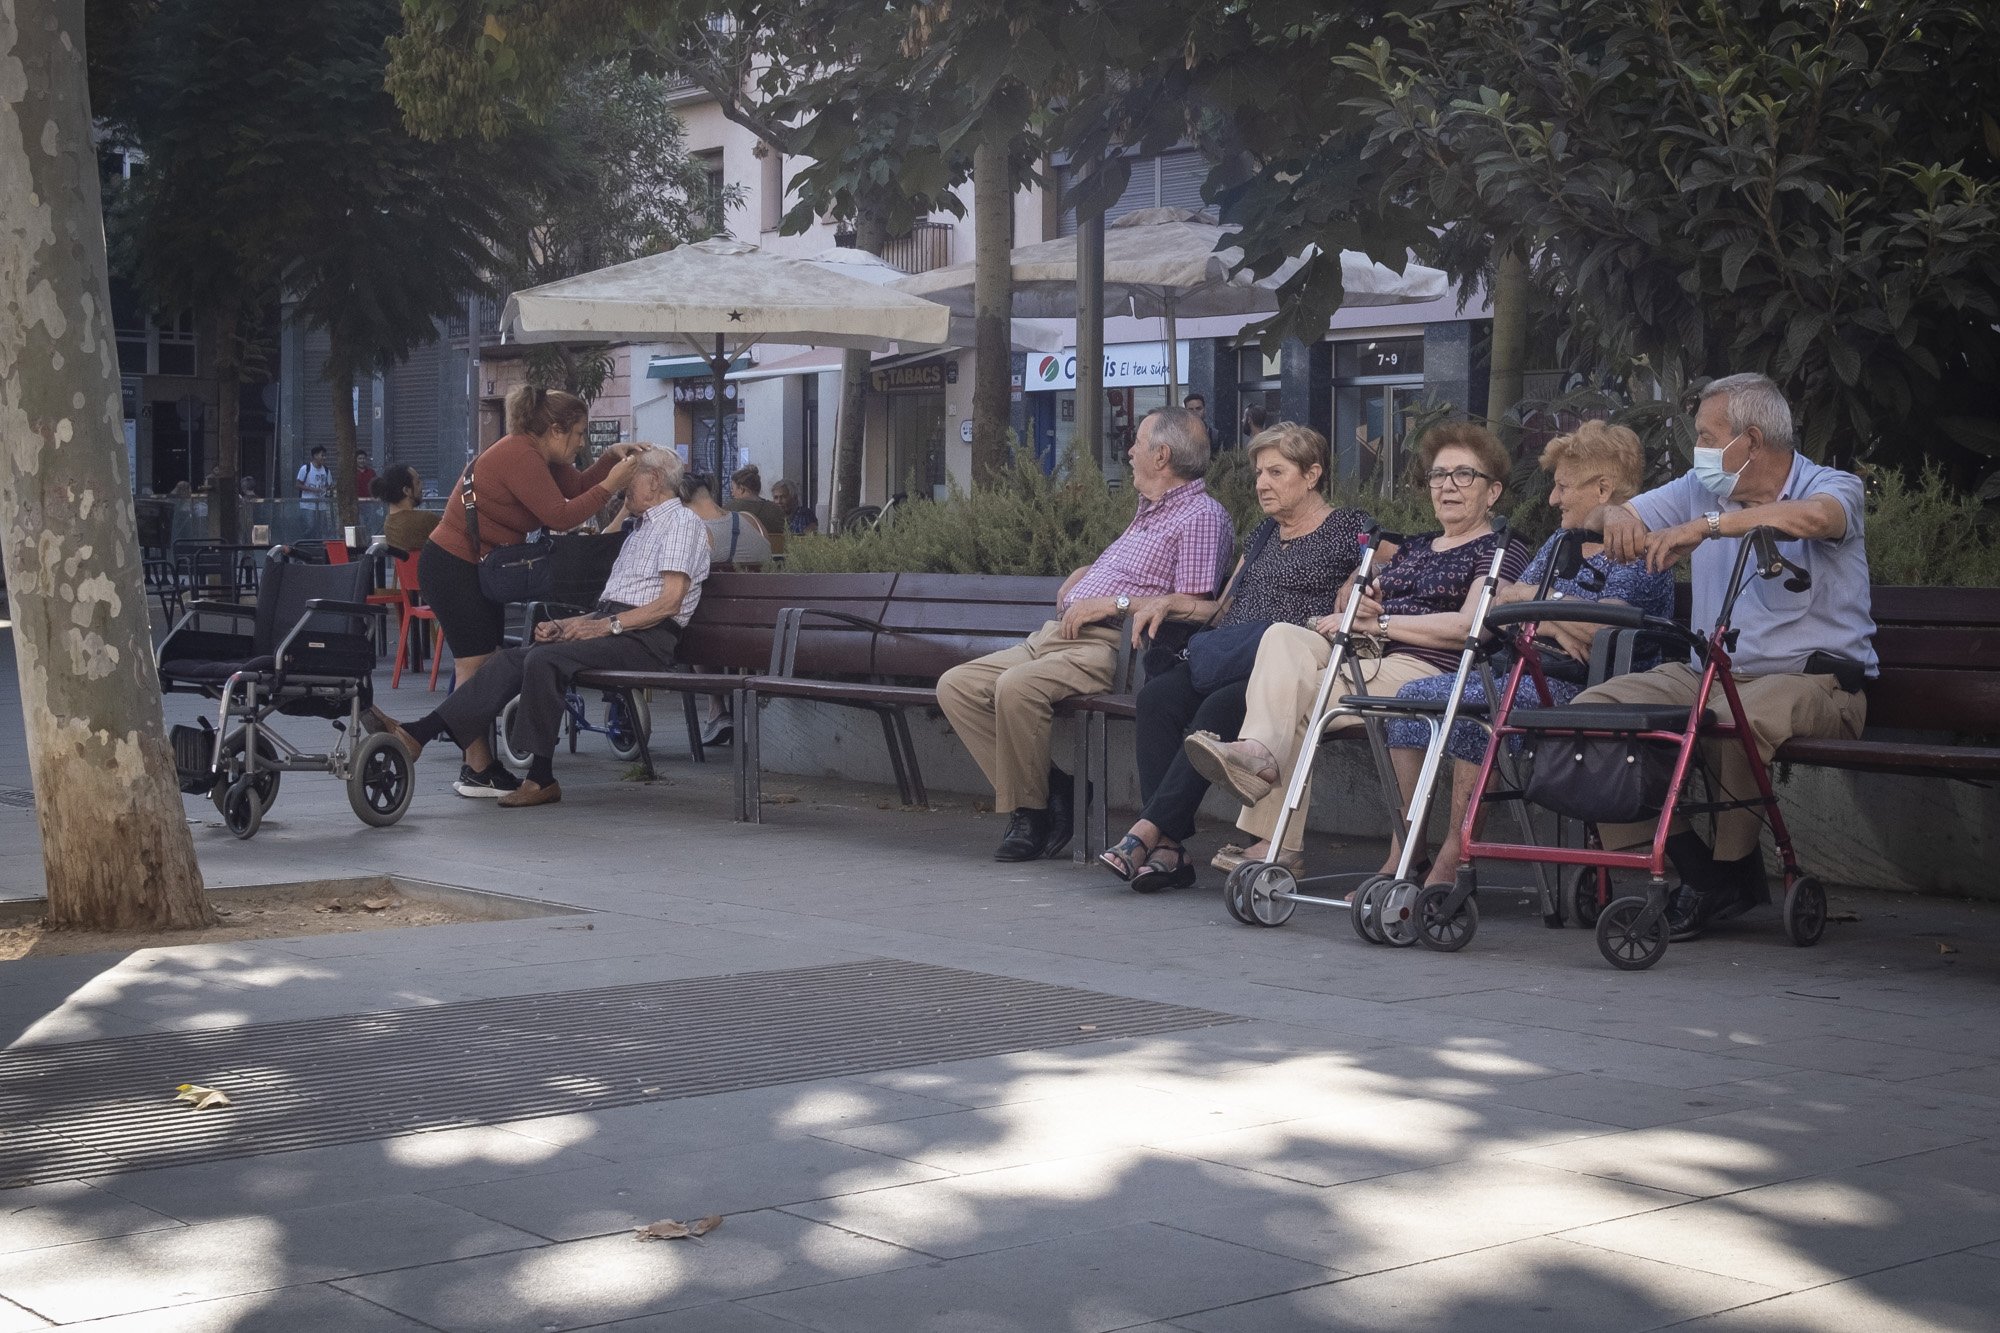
[1607,717]
[1389,703]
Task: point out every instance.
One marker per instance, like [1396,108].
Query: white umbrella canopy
[1168,263]
[1029,335]
[727,289]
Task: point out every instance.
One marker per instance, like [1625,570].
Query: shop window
[1377,385]
[1258,384]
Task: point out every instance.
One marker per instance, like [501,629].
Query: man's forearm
[1815,519]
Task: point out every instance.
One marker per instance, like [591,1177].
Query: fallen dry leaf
[1086,1027]
[378,904]
[668,1229]
[1946,948]
[1845,916]
[203,1098]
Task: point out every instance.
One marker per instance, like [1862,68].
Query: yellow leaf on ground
[668,1229]
[203,1098]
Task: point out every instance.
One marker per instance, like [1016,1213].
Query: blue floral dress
[1628,583]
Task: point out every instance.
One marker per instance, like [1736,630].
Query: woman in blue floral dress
[1596,464]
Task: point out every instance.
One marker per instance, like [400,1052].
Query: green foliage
[1922,531]
[1723,186]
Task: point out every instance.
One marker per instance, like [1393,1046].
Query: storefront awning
[687,367]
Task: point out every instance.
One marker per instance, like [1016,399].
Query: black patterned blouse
[1299,580]
[1423,580]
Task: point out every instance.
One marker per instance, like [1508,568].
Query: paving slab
[1953,1293]
[593,1282]
[34,1217]
[1531,1286]
[125,1274]
[1091,1283]
[309,1309]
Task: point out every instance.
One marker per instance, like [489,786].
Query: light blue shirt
[1778,630]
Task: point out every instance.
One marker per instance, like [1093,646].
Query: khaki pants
[1779,708]
[1290,659]
[1002,705]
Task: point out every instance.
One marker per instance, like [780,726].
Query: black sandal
[1126,859]
[1158,878]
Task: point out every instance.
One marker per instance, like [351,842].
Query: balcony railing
[928,246]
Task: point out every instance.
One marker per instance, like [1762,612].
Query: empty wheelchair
[303,650]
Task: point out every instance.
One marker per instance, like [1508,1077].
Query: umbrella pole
[1173,358]
[720,365]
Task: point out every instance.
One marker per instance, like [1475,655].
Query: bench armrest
[785,639]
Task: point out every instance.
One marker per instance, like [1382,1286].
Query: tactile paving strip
[103,1107]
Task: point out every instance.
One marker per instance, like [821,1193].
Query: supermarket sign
[1125,364]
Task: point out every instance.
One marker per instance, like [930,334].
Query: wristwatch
[1714,520]
[1122,602]
[616,628]
[1382,624]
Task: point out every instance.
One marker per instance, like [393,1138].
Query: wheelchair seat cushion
[1607,717]
[212,671]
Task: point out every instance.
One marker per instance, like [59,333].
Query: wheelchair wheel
[1576,890]
[503,745]
[1395,912]
[1250,888]
[628,721]
[232,768]
[379,785]
[1442,933]
[1623,945]
[1805,911]
[1360,913]
[242,808]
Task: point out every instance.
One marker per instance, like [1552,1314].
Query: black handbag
[1223,656]
[572,568]
[1599,779]
[1175,642]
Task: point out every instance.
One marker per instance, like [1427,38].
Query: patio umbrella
[1163,263]
[1028,335]
[723,297]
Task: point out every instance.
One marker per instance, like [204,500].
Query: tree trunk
[992,300]
[871,233]
[1510,335]
[223,496]
[115,841]
[1090,338]
[340,375]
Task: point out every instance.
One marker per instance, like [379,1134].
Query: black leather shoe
[1027,834]
[1061,816]
[1690,911]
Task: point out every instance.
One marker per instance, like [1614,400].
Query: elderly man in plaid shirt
[1002,705]
[653,590]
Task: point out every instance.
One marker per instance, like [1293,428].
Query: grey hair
[664,466]
[1185,437]
[1754,400]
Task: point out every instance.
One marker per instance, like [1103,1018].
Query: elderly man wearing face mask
[1802,658]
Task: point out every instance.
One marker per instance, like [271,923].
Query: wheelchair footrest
[194,757]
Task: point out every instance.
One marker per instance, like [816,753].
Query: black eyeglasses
[1461,477]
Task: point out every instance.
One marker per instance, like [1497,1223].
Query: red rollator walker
[1613,763]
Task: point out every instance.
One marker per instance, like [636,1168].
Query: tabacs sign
[917,377]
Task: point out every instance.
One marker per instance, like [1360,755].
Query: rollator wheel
[1577,891]
[232,769]
[1252,886]
[503,745]
[1396,913]
[628,721]
[379,785]
[242,808]
[1446,934]
[1623,945]
[1805,911]
[1360,914]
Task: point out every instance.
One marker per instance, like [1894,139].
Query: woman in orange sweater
[527,479]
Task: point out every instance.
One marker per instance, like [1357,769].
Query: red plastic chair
[406,591]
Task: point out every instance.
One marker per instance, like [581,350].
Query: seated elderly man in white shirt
[652,592]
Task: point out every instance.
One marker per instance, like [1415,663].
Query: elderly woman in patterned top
[1293,566]
[1418,608]
[1596,464]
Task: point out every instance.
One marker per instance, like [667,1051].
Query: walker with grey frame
[1382,907]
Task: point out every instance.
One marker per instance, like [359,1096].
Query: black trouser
[540,673]
[1169,708]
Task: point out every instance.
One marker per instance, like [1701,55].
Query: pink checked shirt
[1173,545]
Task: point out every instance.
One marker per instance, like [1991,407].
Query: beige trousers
[1290,660]
[1779,708]
[1003,705]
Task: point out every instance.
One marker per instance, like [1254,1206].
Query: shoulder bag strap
[1258,541]
[469,497]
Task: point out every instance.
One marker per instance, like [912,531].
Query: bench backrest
[733,627]
[1940,651]
[936,621]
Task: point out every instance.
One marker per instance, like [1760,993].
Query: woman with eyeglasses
[1415,613]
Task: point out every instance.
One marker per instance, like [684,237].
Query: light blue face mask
[1708,470]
